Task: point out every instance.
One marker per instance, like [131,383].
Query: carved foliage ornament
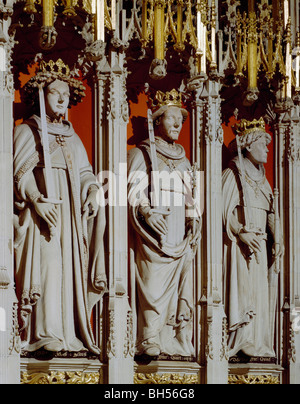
[253,379]
[224,347]
[292,346]
[15,340]
[165,378]
[118,105]
[6,83]
[293,144]
[7,43]
[61,378]
[111,342]
[129,344]
[209,349]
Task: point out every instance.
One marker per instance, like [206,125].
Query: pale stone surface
[9,340]
[163,246]
[210,336]
[248,268]
[60,272]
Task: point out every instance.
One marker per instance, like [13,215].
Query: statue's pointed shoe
[152,350]
[54,346]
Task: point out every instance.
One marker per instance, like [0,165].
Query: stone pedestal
[60,370]
[255,373]
[167,372]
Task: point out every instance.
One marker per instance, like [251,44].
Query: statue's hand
[253,242]
[158,223]
[278,250]
[100,285]
[194,228]
[47,211]
[92,204]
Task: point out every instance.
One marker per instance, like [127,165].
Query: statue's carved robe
[164,273]
[249,304]
[56,278]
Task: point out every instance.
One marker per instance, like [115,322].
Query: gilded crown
[245,127]
[58,67]
[46,74]
[170,98]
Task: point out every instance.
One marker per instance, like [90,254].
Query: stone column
[106,64]
[9,339]
[208,140]
[280,128]
[120,344]
[287,150]
[111,119]
[294,245]
[100,81]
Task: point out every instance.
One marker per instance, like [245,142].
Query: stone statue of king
[252,228]
[166,225]
[59,227]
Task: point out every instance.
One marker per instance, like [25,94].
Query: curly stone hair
[44,78]
[248,139]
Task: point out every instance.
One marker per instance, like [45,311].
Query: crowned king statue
[59,227]
[166,223]
[252,244]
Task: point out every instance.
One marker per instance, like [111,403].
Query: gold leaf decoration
[166,378]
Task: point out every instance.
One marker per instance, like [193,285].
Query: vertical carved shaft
[111,118]
[288,62]
[145,21]
[159,29]
[287,174]
[275,10]
[207,144]
[5,177]
[100,21]
[252,52]
[100,101]
[213,34]
[239,44]
[292,245]
[9,342]
[179,21]
[196,125]
[280,135]
[48,13]
[297,62]
[100,98]
[251,6]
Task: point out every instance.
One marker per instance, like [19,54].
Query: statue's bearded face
[170,124]
[57,99]
[258,151]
